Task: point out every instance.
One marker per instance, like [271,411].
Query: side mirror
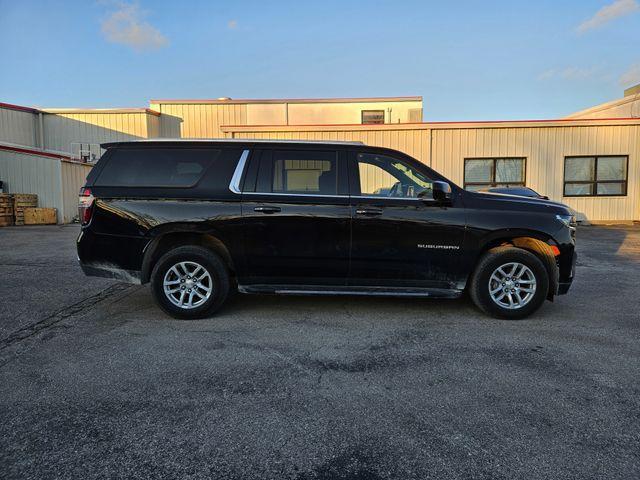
[441,192]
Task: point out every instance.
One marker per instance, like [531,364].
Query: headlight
[568,220]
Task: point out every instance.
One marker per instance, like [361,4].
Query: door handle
[369,211]
[266,209]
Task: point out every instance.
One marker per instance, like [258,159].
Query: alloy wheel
[512,285]
[187,285]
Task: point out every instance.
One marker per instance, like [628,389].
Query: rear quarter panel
[122,229]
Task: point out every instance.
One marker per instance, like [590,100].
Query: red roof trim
[20,108]
[540,121]
[100,111]
[40,153]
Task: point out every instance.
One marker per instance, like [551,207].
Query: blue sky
[470,60]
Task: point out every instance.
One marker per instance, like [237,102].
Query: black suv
[200,219]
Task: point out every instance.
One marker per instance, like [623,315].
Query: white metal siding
[74,176]
[18,127]
[25,173]
[153,126]
[62,129]
[199,120]
[413,142]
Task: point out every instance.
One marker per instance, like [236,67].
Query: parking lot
[96,382]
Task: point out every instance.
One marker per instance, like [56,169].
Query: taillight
[85,205]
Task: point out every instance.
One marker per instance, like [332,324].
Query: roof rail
[229,140]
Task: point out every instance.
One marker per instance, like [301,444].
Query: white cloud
[126,26]
[232,24]
[617,9]
[631,77]
[569,73]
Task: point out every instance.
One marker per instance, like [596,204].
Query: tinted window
[156,167]
[308,172]
[383,176]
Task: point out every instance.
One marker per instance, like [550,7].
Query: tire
[175,267]
[504,303]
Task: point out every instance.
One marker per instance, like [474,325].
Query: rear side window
[156,167]
[306,172]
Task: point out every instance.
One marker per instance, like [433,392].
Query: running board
[350,290]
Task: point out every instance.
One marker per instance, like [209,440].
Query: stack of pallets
[22,201]
[6,210]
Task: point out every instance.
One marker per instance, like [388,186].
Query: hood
[534,202]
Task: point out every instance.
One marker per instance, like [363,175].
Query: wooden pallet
[22,201]
[40,216]
[6,210]
[6,219]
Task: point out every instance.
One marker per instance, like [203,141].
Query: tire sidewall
[481,283]
[210,262]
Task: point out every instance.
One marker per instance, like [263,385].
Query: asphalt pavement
[96,382]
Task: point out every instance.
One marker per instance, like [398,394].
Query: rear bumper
[110,256]
[107,271]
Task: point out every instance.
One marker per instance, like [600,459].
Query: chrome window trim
[278,194]
[234,185]
[374,197]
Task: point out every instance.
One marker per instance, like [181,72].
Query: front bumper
[567,272]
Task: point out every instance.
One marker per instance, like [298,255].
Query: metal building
[205,118]
[589,162]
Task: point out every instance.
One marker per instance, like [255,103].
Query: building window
[370,117]
[595,176]
[482,173]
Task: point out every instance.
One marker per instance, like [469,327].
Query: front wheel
[190,282]
[509,283]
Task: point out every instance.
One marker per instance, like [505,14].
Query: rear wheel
[190,282]
[509,283]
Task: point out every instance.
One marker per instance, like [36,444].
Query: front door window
[388,177]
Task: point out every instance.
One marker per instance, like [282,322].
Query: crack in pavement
[66,312]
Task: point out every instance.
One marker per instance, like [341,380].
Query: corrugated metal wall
[62,129]
[153,126]
[74,176]
[414,142]
[18,127]
[198,120]
[25,173]
[55,182]
[204,119]
[545,144]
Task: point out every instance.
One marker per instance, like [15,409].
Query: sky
[469,60]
